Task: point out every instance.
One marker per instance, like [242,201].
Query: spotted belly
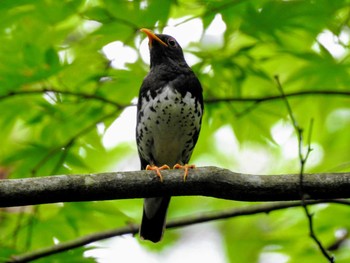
[168,127]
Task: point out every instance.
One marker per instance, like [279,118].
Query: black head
[164,49]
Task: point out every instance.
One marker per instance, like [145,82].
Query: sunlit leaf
[60,93]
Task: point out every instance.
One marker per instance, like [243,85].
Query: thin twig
[84,95]
[70,141]
[63,156]
[31,221]
[64,92]
[303,160]
[278,97]
[18,224]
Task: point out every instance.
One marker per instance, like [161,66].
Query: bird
[169,116]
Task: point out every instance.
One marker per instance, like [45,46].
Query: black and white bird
[169,116]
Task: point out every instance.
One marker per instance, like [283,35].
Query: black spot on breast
[153,94]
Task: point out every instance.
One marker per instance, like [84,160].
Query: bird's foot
[185,167]
[157,170]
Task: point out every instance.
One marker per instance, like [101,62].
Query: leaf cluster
[59,95]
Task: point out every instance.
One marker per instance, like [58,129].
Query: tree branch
[205,181]
[257,99]
[83,95]
[278,97]
[175,223]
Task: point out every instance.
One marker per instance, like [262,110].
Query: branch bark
[205,181]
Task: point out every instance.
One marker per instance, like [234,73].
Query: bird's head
[164,49]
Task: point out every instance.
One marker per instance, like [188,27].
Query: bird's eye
[171,42]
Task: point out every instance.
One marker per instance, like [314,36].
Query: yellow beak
[152,36]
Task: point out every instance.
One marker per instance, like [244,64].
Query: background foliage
[59,94]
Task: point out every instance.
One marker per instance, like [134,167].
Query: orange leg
[185,167]
[157,170]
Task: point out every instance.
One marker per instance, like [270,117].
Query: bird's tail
[153,218]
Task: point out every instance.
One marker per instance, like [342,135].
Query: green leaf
[52,59]
[57,45]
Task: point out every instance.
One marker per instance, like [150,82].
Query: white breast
[168,124]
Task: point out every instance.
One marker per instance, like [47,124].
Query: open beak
[152,36]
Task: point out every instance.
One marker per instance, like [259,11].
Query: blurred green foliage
[59,94]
